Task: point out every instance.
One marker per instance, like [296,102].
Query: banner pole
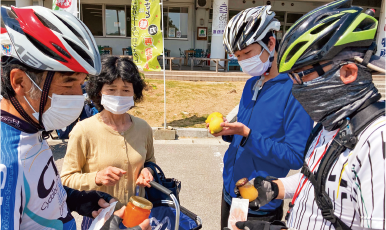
[163,57]
[79,10]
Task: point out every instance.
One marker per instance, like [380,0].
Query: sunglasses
[298,77]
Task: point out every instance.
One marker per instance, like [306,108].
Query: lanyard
[297,192]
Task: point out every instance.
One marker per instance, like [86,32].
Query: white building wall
[204,14]
[117,43]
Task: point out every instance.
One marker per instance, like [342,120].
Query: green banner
[146,36]
[66,5]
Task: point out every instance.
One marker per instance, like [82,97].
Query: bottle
[370,12]
[247,189]
[137,210]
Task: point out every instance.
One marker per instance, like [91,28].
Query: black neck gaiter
[328,100]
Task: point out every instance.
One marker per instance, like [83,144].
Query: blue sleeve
[12,197]
[289,152]
[227,138]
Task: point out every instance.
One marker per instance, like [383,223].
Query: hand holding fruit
[214,121]
[224,128]
[267,190]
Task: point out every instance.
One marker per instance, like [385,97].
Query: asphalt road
[197,163]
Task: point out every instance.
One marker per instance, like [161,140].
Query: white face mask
[64,110]
[117,104]
[254,66]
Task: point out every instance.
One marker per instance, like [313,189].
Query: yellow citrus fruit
[215,125]
[212,115]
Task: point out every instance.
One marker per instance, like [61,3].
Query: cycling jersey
[356,184]
[32,195]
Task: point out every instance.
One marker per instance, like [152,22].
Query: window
[13,3]
[368,3]
[280,15]
[115,21]
[233,13]
[176,22]
[92,17]
[128,21]
[8,3]
[292,17]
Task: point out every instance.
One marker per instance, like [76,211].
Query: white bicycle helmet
[50,40]
[248,27]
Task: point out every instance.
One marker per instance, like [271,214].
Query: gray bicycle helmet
[248,27]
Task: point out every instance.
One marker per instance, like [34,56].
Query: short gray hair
[34,92]
[6,88]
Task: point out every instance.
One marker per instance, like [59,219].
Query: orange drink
[137,210]
[247,190]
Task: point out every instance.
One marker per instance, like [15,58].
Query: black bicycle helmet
[323,33]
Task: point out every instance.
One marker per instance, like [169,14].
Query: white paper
[238,212]
[101,219]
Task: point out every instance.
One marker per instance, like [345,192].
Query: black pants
[270,217]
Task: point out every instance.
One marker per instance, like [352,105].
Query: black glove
[114,222]
[267,189]
[260,225]
[85,202]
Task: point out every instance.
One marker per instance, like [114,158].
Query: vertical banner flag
[65,5]
[381,38]
[146,36]
[220,18]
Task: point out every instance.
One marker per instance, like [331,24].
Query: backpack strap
[347,137]
[314,133]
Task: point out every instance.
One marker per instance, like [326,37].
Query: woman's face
[118,88]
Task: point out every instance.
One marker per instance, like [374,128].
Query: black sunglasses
[299,75]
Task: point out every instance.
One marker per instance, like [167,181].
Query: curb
[189,132]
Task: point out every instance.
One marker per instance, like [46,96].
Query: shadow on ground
[59,150]
[188,121]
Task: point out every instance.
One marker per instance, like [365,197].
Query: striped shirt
[356,183]
[32,195]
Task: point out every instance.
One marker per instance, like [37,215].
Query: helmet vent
[316,47]
[80,52]
[47,23]
[2,24]
[324,26]
[11,13]
[74,31]
[322,17]
[294,50]
[255,27]
[239,33]
[365,24]
[44,49]
[62,51]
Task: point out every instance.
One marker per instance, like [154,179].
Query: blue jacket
[279,131]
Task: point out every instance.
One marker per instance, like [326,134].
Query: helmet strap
[271,54]
[43,100]
[319,69]
[23,113]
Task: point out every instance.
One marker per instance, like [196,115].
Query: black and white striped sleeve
[290,184]
[369,176]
